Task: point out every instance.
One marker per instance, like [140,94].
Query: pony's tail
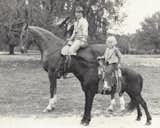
[133,103]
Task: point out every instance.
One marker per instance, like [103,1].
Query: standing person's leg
[118,75]
[118,78]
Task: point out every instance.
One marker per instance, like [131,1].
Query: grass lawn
[24,88]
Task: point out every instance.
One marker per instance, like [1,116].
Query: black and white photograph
[79,63]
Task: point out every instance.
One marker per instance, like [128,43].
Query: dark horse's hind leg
[141,101]
[89,96]
[139,113]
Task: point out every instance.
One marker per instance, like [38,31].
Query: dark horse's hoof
[138,118]
[84,122]
[148,122]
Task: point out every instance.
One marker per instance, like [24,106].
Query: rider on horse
[80,34]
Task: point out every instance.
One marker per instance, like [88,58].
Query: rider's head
[111,41]
[79,12]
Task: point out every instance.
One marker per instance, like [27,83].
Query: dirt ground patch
[74,122]
[24,91]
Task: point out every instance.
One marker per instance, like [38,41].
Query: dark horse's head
[25,39]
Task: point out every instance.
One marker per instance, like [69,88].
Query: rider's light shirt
[81,29]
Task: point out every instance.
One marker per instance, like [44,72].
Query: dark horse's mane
[86,63]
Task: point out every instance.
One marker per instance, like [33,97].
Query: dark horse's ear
[25,26]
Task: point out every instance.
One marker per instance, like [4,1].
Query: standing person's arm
[119,55]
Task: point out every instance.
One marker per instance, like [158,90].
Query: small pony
[102,68]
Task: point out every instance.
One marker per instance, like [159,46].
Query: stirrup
[67,61]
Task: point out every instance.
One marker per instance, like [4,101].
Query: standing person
[112,58]
[79,36]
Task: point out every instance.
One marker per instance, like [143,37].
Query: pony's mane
[43,32]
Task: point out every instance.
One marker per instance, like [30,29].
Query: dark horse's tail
[138,89]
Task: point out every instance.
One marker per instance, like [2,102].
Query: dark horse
[84,67]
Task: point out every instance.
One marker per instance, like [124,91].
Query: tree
[9,16]
[101,14]
[124,43]
[150,32]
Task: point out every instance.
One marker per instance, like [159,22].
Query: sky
[137,10]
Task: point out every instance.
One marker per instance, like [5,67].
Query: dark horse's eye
[23,36]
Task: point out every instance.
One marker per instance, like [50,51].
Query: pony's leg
[112,104]
[53,89]
[122,103]
[132,104]
[89,96]
[144,105]
[139,113]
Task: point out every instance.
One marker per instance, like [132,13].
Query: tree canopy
[101,14]
[148,37]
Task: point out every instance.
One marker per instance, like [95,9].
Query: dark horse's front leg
[53,89]
[89,96]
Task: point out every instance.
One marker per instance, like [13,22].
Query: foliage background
[102,15]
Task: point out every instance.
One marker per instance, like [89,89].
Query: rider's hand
[68,39]
[69,42]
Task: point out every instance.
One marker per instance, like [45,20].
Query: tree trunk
[11,49]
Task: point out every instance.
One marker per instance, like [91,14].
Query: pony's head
[110,76]
[25,39]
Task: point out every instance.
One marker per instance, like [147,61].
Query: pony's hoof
[148,122]
[122,112]
[126,111]
[84,123]
[109,110]
[48,110]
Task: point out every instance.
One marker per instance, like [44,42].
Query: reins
[59,48]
